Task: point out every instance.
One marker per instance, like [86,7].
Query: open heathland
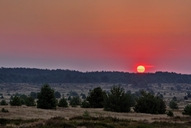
[23,116]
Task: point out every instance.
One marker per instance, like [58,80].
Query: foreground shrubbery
[89,122]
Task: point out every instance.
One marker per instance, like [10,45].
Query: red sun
[140,69]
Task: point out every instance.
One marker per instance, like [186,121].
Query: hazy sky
[89,35]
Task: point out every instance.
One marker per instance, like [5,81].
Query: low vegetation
[88,122]
[3,102]
[170,113]
[75,101]
[4,110]
[187,110]
[15,101]
[63,103]
[173,104]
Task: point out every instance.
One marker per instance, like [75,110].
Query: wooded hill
[31,75]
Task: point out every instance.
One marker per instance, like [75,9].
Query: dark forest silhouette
[31,75]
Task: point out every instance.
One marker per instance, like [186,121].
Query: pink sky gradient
[96,35]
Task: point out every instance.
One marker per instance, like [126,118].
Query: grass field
[78,118]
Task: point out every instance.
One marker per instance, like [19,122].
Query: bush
[117,100]
[148,103]
[75,101]
[15,101]
[86,114]
[96,98]
[46,98]
[63,103]
[4,110]
[170,113]
[29,101]
[3,102]
[187,110]
[173,105]
[85,104]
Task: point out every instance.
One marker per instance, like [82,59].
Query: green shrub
[86,113]
[173,104]
[63,103]
[187,110]
[75,101]
[29,101]
[15,101]
[3,102]
[4,110]
[170,113]
[85,104]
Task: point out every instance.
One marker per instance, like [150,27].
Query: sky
[87,35]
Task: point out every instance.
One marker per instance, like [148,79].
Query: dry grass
[25,117]
[34,113]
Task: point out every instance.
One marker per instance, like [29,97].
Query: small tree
[15,101]
[187,110]
[173,105]
[148,103]
[96,98]
[75,101]
[170,113]
[46,98]
[117,100]
[85,104]
[3,102]
[63,103]
[29,101]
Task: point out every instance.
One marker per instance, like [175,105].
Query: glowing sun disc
[140,69]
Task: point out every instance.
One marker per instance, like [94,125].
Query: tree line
[31,75]
[116,100]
